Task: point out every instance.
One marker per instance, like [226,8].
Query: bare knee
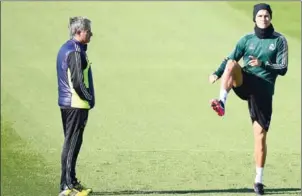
[231,65]
[259,134]
[260,139]
[233,70]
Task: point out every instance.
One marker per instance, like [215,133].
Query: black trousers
[74,122]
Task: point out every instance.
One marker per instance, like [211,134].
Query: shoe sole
[217,107]
[258,194]
[65,193]
[84,192]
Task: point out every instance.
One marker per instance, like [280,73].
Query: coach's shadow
[285,191]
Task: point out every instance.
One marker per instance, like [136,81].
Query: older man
[76,98]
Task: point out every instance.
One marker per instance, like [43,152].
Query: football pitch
[152,131]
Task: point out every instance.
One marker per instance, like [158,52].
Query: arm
[221,68]
[239,50]
[77,78]
[235,55]
[91,88]
[280,67]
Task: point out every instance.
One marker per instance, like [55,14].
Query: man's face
[85,36]
[263,19]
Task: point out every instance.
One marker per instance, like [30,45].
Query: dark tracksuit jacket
[75,82]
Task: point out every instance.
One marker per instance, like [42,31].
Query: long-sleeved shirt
[272,52]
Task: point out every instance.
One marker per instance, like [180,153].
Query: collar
[264,33]
[82,46]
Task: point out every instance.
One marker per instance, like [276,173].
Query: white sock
[223,95]
[259,175]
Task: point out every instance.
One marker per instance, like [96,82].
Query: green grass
[283,13]
[23,170]
[152,131]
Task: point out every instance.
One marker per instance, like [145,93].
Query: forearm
[91,87]
[236,55]
[221,68]
[280,68]
[81,90]
[77,78]
[281,63]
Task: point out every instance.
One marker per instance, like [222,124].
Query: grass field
[152,130]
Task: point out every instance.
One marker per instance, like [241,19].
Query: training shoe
[77,185]
[82,193]
[259,188]
[218,106]
[70,192]
[65,192]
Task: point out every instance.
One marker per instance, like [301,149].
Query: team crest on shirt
[252,47]
[272,47]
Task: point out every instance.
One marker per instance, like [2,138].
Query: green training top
[272,52]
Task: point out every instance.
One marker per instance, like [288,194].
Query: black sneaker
[259,188]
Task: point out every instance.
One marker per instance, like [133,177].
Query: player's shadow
[268,191]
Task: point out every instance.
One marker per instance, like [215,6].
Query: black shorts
[259,101]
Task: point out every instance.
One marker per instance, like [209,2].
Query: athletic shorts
[259,101]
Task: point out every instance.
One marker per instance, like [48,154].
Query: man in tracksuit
[265,56]
[76,98]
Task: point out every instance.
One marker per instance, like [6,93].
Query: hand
[213,78]
[254,61]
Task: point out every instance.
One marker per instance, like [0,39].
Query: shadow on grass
[22,166]
[268,191]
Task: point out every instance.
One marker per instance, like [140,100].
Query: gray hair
[78,23]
